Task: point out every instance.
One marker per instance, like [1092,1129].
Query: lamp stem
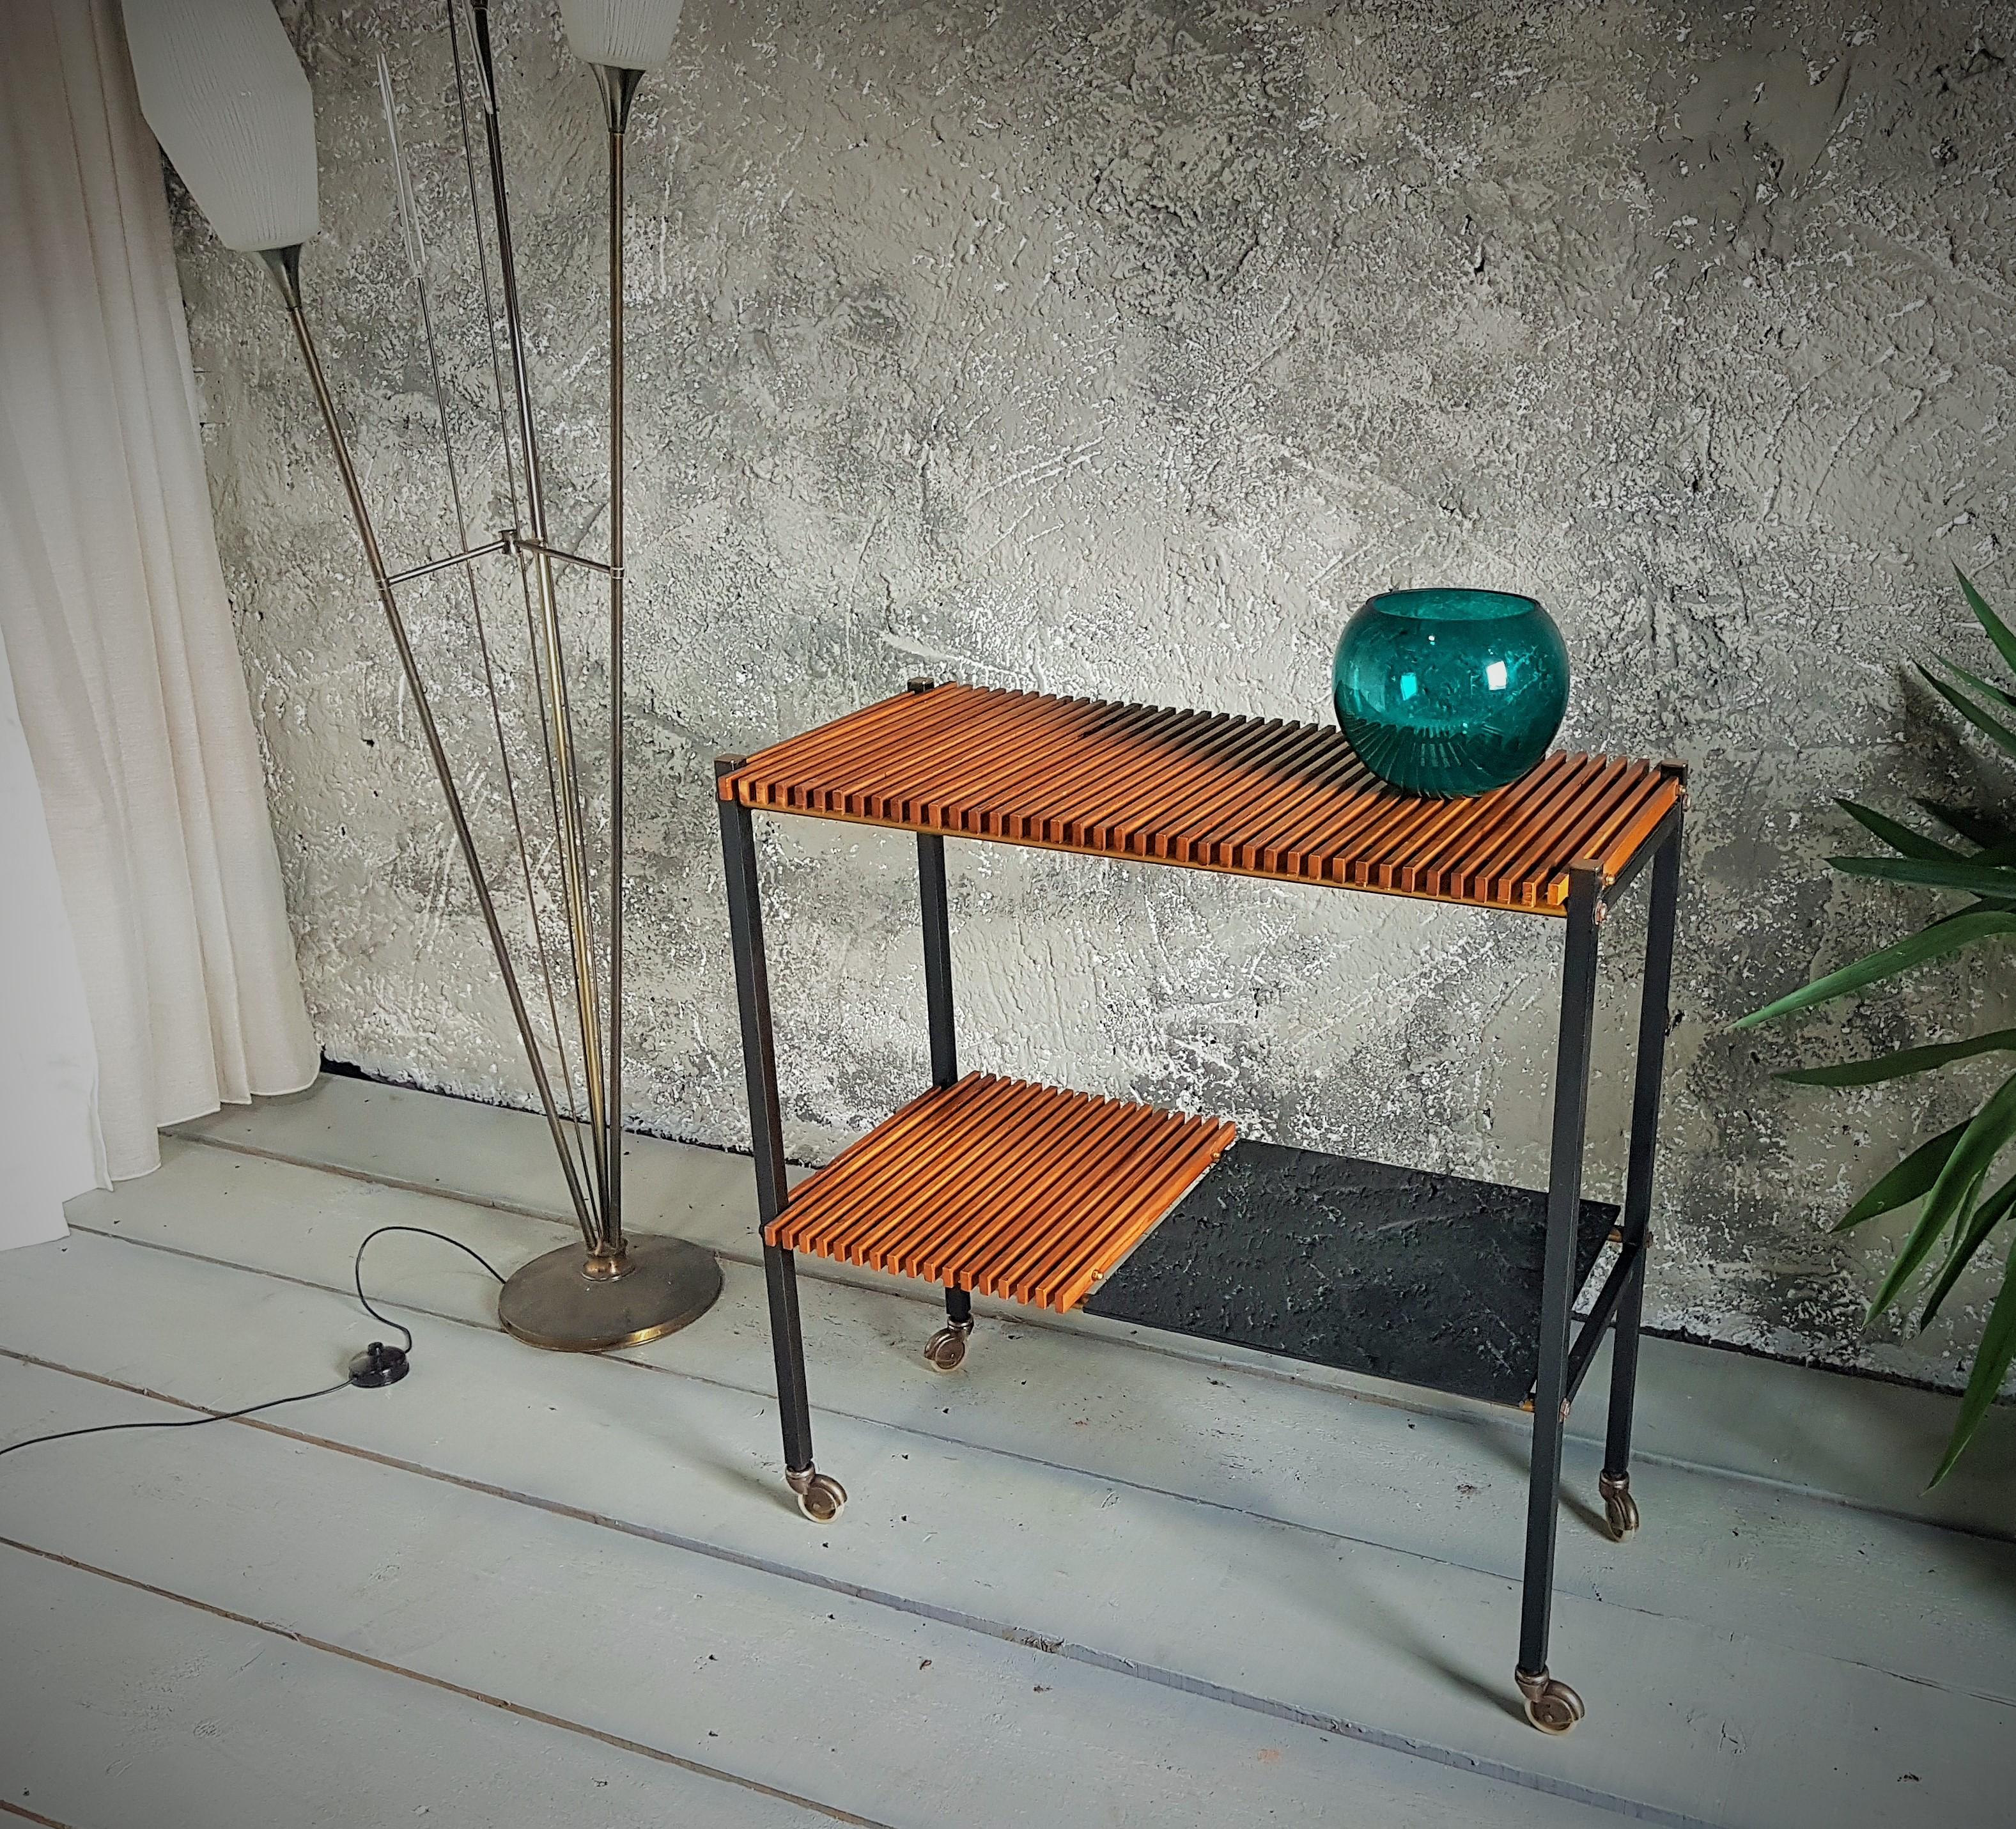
[613,1174]
[284,265]
[573,870]
[619,88]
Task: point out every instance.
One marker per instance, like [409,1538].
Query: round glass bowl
[1447,692]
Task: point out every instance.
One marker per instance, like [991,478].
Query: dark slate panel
[1428,1279]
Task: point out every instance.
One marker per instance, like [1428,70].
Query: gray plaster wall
[1122,348]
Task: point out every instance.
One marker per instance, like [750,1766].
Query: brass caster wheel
[1620,1509]
[1551,1705]
[820,1495]
[947,1349]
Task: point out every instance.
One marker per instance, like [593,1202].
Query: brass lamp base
[569,1301]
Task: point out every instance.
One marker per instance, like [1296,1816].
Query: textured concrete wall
[1122,348]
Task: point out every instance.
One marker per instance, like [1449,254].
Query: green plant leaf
[1990,1129]
[1899,838]
[1933,1218]
[1976,827]
[1993,729]
[1995,692]
[1993,882]
[1908,1180]
[1929,943]
[1970,1238]
[1992,1361]
[1998,631]
[1905,1061]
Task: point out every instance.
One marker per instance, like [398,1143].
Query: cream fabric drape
[112,609]
[49,1140]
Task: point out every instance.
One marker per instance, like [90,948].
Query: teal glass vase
[1448,692]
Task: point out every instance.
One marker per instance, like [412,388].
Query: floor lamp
[226,95]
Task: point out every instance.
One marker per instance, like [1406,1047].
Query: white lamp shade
[624,34]
[222,89]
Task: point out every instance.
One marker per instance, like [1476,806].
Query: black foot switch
[377,1366]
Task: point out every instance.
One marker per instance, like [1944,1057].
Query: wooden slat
[1646,813]
[1003,1187]
[1256,797]
[1553,793]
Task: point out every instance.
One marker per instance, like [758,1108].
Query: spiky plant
[1950,1172]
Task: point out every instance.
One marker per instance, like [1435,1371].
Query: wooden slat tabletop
[1256,797]
[1003,1187]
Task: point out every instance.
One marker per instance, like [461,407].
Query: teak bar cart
[1061,1200]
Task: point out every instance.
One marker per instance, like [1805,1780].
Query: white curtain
[112,611]
[49,1139]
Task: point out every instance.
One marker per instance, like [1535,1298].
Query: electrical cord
[190,1423]
[357,1272]
[378,1365]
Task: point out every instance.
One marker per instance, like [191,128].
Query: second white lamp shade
[222,89]
[621,35]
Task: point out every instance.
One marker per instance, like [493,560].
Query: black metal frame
[1564,1363]
[1565,1354]
[766,1123]
[937,998]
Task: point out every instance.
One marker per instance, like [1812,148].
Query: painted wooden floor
[1091,1578]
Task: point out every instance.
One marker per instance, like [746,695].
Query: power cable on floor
[377,1366]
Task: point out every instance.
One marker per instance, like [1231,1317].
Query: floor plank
[126,1707]
[895,1717]
[1397,1646]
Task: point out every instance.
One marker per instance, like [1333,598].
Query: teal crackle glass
[1448,692]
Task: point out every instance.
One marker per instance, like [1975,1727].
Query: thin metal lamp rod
[416,259]
[516,543]
[284,265]
[459,16]
[429,567]
[573,872]
[618,87]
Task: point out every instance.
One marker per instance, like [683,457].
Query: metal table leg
[1620,1508]
[1551,1705]
[820,1495]
[946,1350]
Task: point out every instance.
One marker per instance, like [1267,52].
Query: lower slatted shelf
[1059,1200]
[1003,1187]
